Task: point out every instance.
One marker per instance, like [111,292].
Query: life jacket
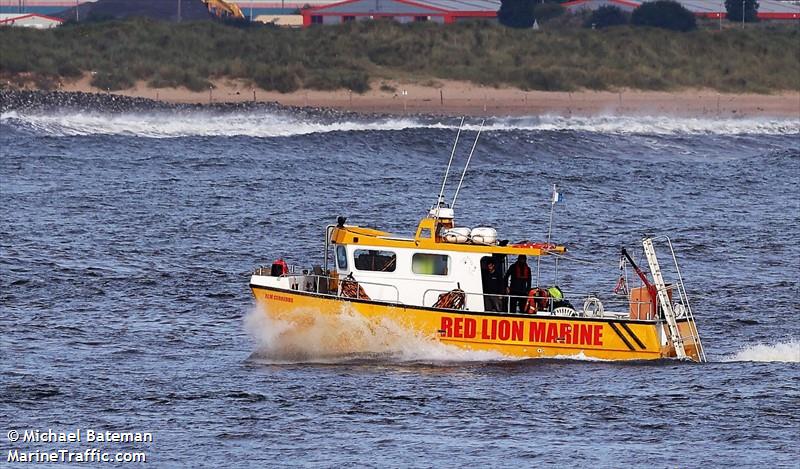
[555,293]
[526,271]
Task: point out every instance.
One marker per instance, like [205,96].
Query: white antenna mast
[555,197]
[467,165]
[440,200]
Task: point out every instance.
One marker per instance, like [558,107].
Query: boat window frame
[447,266]
[341,255]
[392,262]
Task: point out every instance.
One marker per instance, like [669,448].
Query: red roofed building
[404,11]
[29,20]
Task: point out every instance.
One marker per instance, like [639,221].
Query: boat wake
[311,337]
[787,352]
[271,124]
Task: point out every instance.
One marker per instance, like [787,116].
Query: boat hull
[513,335]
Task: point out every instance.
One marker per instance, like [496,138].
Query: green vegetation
[665,14]
[516,13]
[547,11]
[734,10]
[757,59]
[607,16]
[522,13]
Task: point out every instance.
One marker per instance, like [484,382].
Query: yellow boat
[432,284]
[438,284]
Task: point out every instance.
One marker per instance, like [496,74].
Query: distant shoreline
[451,98]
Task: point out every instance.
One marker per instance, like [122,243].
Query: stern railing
[667,309]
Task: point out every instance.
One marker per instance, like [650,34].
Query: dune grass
[760,60]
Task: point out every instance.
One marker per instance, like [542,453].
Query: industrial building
[333,11]
[29,20]
[250,8]
[403,11]
[284,21]
[767,10]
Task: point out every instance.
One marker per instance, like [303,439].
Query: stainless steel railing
[577,303]
[552,305]
[320,284]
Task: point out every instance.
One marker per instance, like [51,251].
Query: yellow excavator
[223,9]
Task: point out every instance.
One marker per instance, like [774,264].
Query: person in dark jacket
[520,275]
[493,287]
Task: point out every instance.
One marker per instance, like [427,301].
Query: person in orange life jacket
[279,268]
[493,287]
[520,275]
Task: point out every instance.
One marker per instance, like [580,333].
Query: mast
[554,198]
[440,199]
[463,173]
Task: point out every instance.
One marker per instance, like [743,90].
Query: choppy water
[127,241]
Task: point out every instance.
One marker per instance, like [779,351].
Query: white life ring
[593,307]
[680,310]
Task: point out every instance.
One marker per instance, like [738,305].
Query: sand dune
[460,98]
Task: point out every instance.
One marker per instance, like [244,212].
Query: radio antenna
[475,143]
[440,200]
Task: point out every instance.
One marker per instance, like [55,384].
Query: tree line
[667,14]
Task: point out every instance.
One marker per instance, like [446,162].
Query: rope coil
[454,299]
[351,288]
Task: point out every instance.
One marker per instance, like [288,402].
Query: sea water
[127,241]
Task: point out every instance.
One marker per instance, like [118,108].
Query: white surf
[270,124]
[787,352]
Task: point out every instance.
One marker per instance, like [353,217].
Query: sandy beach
[461,98]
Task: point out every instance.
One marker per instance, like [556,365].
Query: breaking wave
[270,124]
[788,352]
[311,337]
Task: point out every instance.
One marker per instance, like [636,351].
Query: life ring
[530,305]
[593,307]
[538,300]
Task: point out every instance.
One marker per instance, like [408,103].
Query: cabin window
[425,233]
[347,19]
[316,19]
[374,260]
[419,19]
[430,264]
[341,257]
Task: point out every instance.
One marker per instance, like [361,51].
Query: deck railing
[321,284]
[573,304]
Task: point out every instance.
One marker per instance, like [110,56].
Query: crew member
[520,275]
[493,287]
[557,298]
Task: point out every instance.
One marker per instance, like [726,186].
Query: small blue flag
[557,196]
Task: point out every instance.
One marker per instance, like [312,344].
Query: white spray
[311,336]
[788,352]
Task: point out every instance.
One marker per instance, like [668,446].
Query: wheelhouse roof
[369,237]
